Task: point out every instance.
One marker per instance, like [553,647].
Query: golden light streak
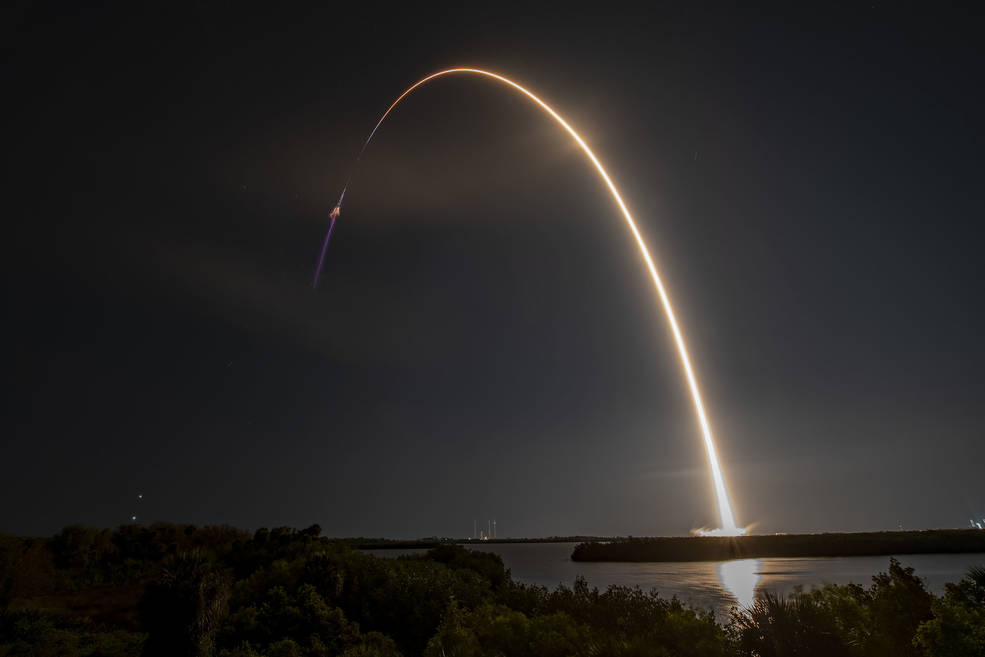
[740,578]
[726,517]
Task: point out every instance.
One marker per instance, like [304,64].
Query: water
[715,585]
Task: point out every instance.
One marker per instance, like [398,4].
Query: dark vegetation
[716,548]
[216,591]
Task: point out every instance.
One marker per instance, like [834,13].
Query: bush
[282,592]
[958,625]
[40,635]
[840,620]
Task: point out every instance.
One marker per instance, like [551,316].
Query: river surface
[715,585]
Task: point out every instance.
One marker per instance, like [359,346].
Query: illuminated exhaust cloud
[726,517]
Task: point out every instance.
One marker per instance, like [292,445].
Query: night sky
[486,343]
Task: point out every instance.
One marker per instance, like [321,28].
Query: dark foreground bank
[219,592]
[716,548]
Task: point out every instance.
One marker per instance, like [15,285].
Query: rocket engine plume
[333,215]
[726,517]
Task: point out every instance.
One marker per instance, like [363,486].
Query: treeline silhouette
[220,592]
[721,548]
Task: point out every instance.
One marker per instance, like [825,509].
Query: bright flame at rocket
[728,526]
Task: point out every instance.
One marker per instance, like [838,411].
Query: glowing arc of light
[726,517]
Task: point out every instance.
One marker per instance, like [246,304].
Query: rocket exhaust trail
[337,210]
[726,517]
[334,214]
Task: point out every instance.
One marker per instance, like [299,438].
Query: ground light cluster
[218,591]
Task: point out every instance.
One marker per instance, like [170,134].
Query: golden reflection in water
[740,578]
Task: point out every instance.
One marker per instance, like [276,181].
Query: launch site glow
[727,523]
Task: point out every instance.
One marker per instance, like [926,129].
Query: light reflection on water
[719,586]
[740,578]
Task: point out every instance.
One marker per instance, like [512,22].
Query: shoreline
[840,544]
